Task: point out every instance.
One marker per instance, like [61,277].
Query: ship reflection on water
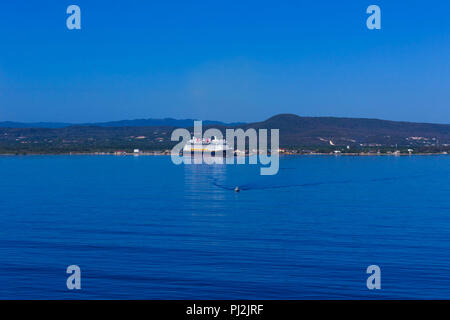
[199,190]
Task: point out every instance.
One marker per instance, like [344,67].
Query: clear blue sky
[224,60]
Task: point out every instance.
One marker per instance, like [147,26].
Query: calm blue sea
[143,228]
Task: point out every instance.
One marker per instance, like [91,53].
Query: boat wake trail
[256,186]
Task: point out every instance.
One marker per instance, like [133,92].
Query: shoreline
[168,154]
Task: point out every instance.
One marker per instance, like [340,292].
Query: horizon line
[208,120]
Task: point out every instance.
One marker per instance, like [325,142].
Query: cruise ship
[206,145]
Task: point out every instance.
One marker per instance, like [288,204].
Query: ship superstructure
[206,145]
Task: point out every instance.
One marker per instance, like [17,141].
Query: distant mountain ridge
[296,130]
[296,133]
[49,125]
[166,122]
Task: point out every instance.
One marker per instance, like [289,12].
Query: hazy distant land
[297,135]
